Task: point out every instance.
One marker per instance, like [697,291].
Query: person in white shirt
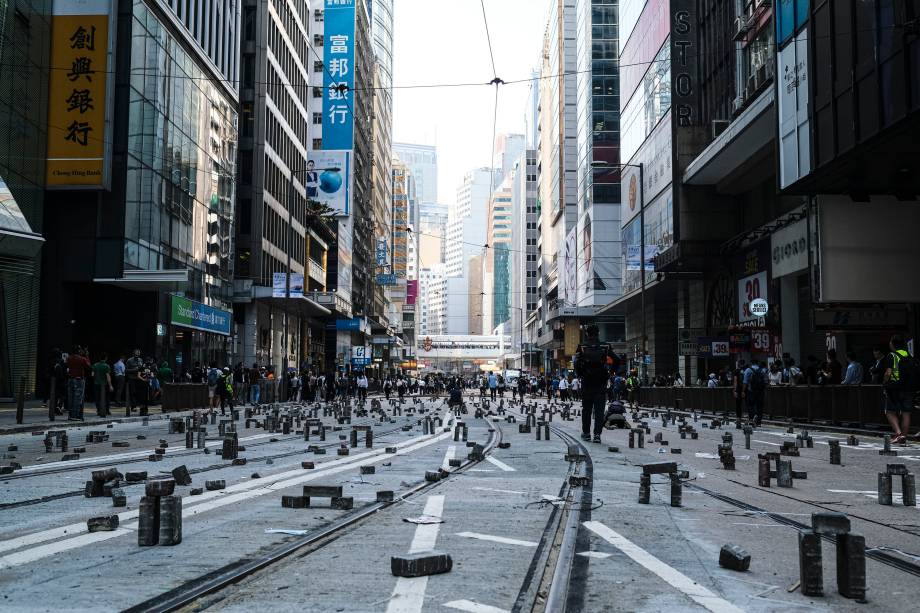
[775,377]
[362,387]
[563,389]
[713,381]
[576,388]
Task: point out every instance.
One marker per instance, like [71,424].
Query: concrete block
[307,465]
[342,451]
[675,450]
[120,444]
[134,477]
[181,475]
[909,490]
[238,462]
[118,498]
[421,564]
[107,523]
[69,457]
[196,491]
[504,445]
[658,468]
[897,469]
[161,486]
[391,450]
[432,476]
[884,488]
[148,521]
[851,566]
[342,503]
[733,557]
[385,496]
[830,523]
[217,484]
[295,502]
[170,520]
[92,489]
[811,569]
[368,470]
[455,462]
[322,491]
[645,488]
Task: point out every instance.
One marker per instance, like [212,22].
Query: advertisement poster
[279,285]
[328,180]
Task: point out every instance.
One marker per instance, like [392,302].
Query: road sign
[759,307]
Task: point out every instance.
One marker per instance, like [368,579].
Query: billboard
[279,285]
[339,74]
[198,316]
[411,291]
[77,95]
[328,180]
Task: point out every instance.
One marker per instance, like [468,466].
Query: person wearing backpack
[213,380]
[591,361]
[900,383]
[755,388]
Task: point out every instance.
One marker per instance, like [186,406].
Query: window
[318,40]
[317,119]
[318,16]
[317,144]
[317,66]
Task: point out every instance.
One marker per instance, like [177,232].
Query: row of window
[292,28]
[278,185]
[296,80]
[281,98]
[275,230]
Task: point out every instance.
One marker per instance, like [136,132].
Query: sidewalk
[35,417]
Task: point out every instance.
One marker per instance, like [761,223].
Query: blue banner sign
[386,279]
[348,324]
[339,74]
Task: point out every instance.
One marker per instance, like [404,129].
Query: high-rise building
[140,221]
[422,160]
[507,149]
[467,231]
[431,312]
[24,50]
[432,231]
[523,290]
[557,161]
[276,232]
[497,268]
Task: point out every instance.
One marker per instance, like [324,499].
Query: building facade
[150,233]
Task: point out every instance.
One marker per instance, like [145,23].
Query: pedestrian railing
[838,404]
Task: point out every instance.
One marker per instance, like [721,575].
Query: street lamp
[601,165]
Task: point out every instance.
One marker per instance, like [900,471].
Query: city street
[520,534]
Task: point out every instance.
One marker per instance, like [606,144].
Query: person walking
[362,387]
[214,376]
[77,368]
[900,384]
[225,390]
[755,387]
[102,385]
[591,365]
[137,383]
[493,385]
[563,389]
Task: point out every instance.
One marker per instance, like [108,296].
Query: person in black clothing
[811,371]
[591,365]
[738,388]
[877,372]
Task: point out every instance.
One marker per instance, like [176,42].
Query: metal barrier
[836,404]
[182,396]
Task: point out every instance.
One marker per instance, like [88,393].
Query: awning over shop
[300,303]
[172,280]
[16,236]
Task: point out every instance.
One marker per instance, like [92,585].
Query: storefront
[195,332]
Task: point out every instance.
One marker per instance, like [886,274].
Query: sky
[444,41]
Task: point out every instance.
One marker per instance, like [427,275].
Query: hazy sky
[444,41]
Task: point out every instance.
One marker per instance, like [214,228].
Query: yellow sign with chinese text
[76,100]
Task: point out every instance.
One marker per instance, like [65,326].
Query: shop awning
[298,302]
[16,236]
[172,280]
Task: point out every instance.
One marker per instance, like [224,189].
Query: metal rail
[191,591]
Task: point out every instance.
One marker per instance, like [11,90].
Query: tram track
[187,595]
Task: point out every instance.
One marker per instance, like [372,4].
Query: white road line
[768,443]
[481,470]
[200,504]
[451,452]
[409,593]
[489,489]
[497,539]
[473,607]
[500,464]
[597,555]
[115,458]
[670,575]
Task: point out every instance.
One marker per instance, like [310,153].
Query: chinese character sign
[339,74]
[77,95]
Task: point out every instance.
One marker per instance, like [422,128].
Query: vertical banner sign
[400,223]
[684,52]
[339,74]
[77,94]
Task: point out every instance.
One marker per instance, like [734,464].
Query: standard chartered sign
[191,314]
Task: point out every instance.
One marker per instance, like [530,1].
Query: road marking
[497,539]
[670,575]
[768,443]
[597,555]
[500,464]
[481,470]
[409,593]
[451,452]
[208,501]
[473,607]
[489,489]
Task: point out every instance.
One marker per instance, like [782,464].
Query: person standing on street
[362,387]
[591,361]
[493,385]
[77,368]
[118,376]
[137,385]
[102,380]
[563,389]
[755,388]
[854,373]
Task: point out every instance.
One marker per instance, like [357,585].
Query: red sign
[426,345]
[411,291]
